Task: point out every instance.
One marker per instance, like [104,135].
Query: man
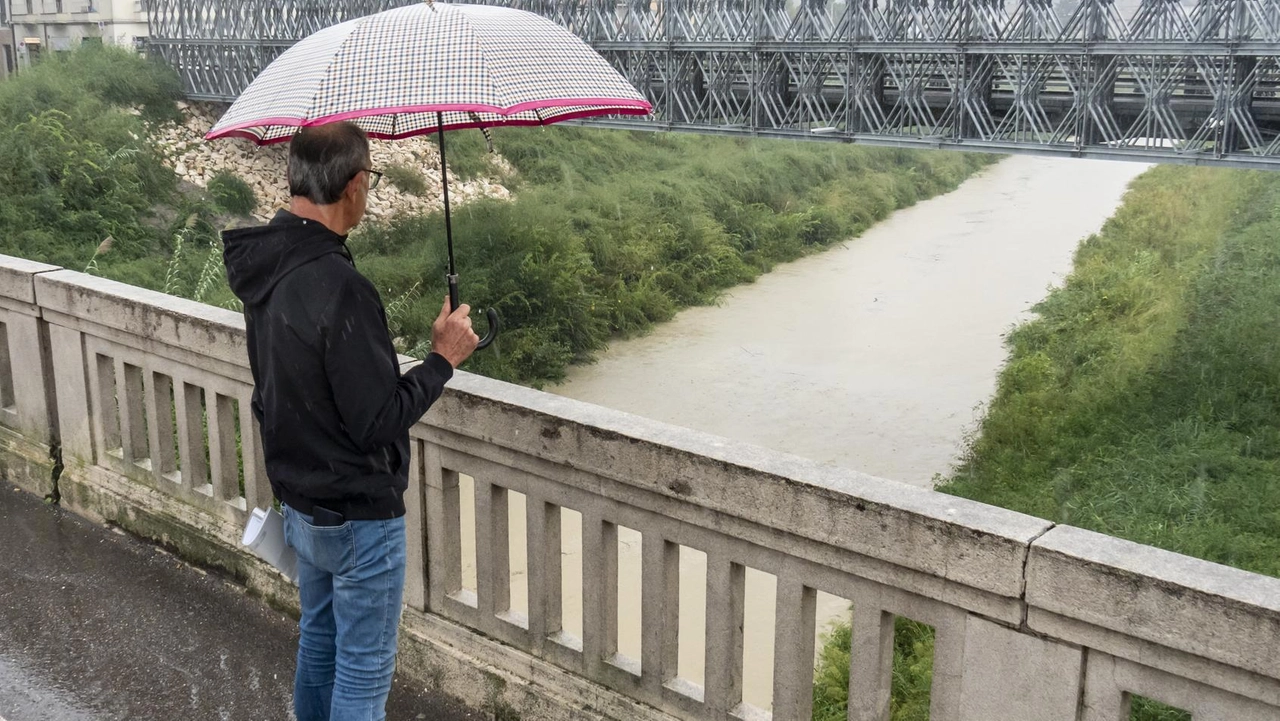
[335,415]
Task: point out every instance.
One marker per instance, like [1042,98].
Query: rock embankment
[196,161]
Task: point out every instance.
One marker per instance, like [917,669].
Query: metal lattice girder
[1164,80]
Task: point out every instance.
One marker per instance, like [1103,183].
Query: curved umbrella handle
[495,323]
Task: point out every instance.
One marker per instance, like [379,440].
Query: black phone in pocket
[324,517]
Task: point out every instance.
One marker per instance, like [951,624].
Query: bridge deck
[79,599]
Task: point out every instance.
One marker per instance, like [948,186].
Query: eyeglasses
[374,178]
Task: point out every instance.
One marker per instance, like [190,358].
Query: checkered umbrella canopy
[396,72]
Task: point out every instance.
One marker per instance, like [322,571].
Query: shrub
[406,179]
[76,165]
[467,154]
[232,194]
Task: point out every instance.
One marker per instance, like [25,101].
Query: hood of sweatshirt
[258,258]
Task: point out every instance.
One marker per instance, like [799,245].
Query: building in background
[50,26]
[8,53]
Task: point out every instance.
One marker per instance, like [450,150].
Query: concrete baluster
[224,471]
[190,411]
[793,647]
[257,488]
[660,612]
[415,576]
[599,592]
[545,595]
[948,663]
[444,553]
[133,426]
[75,421]
[27,397]
[158,390]
[726,595]
[106,411]
[493,562]
[870,661]
[8,404]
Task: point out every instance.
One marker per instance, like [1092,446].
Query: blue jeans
[351,581]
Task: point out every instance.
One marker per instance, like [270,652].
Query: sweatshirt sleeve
[376,403]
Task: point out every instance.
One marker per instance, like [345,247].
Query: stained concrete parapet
[944,537]
[90,302]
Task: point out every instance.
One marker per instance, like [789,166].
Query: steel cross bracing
[1155,80]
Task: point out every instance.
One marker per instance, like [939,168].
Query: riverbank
[610,232]
[1142,401]
[876,355]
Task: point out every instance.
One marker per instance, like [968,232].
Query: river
[876,355]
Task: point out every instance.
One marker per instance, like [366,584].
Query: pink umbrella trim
[241,133]
[615,106]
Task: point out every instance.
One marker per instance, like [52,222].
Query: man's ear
[353,186]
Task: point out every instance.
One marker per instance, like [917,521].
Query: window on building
[30,9]
[8,58]
[57,6]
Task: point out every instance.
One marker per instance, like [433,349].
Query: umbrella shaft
[444,179]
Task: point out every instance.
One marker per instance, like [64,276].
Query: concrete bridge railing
[135,405]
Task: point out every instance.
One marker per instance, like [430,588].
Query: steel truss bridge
[1159,80]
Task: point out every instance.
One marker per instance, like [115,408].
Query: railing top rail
[16,277]
[146,313]
[953,538]
[1204,608]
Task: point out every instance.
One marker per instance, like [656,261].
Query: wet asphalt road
[96,625]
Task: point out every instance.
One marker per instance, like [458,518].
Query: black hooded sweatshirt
[334,409]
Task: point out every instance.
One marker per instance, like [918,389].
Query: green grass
[1143,402]
[912,672]
[1145,709]
[85,190]
[74,159]
[467,154]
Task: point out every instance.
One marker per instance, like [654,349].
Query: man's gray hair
[324,158]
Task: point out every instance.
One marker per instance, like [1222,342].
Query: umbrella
[428,68]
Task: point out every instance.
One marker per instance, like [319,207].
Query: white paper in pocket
[264,535]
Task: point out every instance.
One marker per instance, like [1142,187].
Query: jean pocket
[329,548]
